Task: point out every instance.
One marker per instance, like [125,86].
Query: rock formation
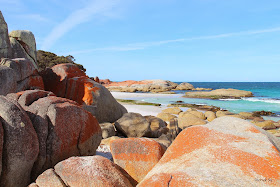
[220,94]
[68,81]
[5,46]
[226,152]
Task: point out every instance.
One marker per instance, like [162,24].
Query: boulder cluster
[154,86]
[54,123]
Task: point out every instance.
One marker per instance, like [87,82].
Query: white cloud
[94,8]
[143,45]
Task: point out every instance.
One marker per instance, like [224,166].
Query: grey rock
[133,125]
[21,145]
[108,130]
[5,46]
[8,80]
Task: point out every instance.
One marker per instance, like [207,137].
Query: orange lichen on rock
[228,151]
[137,156]
[80,90]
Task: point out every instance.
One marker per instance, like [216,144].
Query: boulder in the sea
[185,86]
[226,152]
[137,156]
[220,94]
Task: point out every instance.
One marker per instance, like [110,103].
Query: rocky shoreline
[55,124]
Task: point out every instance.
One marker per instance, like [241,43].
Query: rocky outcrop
[18,75]
[64,129]
[210,116]
[143,86]
[226,152]
[84,171]
[137,156]
[166,116]
[220,94]
[5,46]
[68,81]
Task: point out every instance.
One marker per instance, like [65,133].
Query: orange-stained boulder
[64,129]
[226,152]
[91,171]
[68,81]
[137,156]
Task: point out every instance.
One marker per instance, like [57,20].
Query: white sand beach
[143,109]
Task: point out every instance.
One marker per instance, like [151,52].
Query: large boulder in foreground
[64,129]
[91,171]
[20,147]
[220,94]
[226,152]
[137,156]
[68,81]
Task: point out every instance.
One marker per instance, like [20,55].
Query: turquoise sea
[267,96]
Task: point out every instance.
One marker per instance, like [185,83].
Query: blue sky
[177,40]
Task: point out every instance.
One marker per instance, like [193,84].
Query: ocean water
[267,96]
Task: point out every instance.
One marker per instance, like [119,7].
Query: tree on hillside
[47,59]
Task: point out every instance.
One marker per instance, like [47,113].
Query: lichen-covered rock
[21,146]
[91,171]
[24,45]
[5,46]
[137,156]
[143,86]
[49,178]
[174,110]
[64,129]
[133,125]
[68,81]
[226,152]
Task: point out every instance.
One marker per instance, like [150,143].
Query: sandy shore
[143,109]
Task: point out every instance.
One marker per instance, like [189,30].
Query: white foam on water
[276,101]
